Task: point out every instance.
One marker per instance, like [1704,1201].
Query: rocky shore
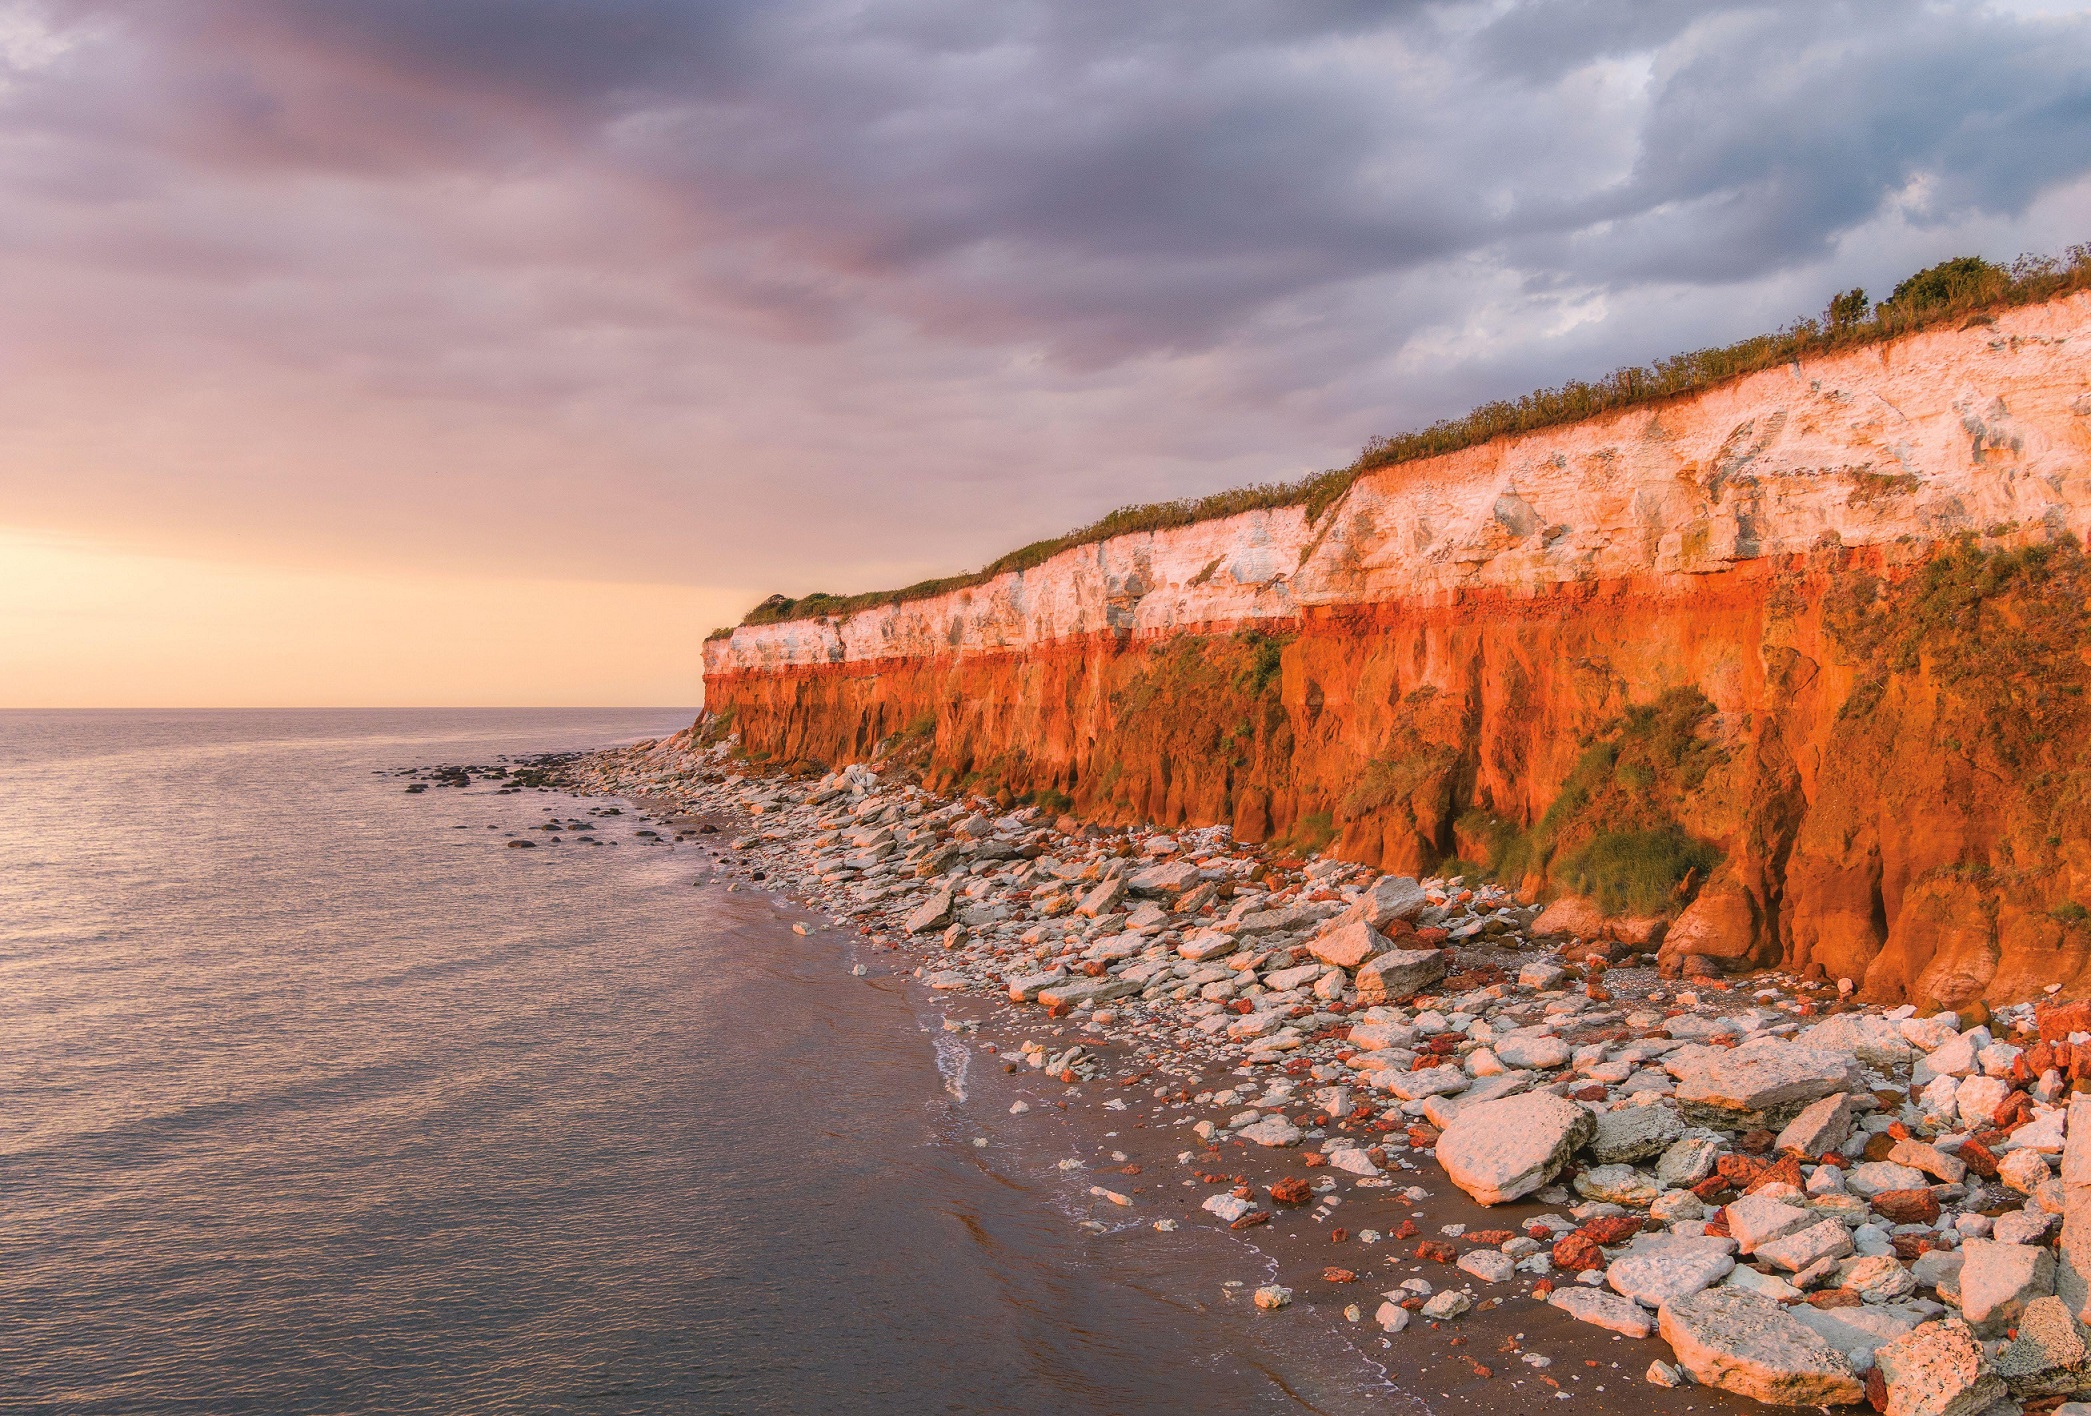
[1805,1200]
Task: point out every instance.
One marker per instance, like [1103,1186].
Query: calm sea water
[315,1097]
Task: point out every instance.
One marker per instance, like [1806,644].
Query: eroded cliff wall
[1799,663]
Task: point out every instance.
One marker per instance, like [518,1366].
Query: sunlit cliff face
[807,296]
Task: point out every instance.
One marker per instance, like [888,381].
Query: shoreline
[1271,1027]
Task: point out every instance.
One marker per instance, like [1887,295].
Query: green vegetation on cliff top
[1964,287]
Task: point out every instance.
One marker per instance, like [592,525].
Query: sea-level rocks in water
[1499,1150]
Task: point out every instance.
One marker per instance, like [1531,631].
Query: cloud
[807,292]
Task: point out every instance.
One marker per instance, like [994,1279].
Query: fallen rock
[1656,1273]
[1025,988]
[1348,945]
[1805,1248]
[1877,1177]
[1271,1297]
[1272,1131]
[1634,1133]
[933,913]
[1756,1220]
[1997,1281]
[1448,1304]
[1856,1332]
[1930,1159]
[1085,990]
[1748,1345]
[1573,915]
[1398,975]
[1908,1206]
[1609,1311]
[1937,1370]
[2023,1170]
[1202,944]
[1821,1127]
[1488,1265]
[1869,1037]
[1102,900]
[1760,1086]
[2047,1358]
[1618,1185]
[1499,1150]
[1392,899]
[1543,1051]
[1687,1162]
[1173,878]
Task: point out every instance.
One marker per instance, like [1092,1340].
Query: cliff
[1797,664]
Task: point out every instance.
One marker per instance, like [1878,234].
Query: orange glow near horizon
[89,625]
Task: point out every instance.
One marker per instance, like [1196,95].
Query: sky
[451,351]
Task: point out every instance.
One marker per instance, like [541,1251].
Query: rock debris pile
[1809,1200]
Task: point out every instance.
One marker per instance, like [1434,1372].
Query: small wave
[953,1058]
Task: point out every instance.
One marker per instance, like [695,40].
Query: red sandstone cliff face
[1800,665]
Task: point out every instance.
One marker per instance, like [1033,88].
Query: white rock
[1273,1131]
[1748,1345]
[1499,1150]
[1804,1248]
[1542,1051]
[1654,1274]
[1876,1176]
[1756,1220]
[1488,1265]
[1609,1311]
[1998,1280]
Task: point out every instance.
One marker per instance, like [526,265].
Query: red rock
[1610,1228]
[2013,1112]
[1981,1160]
[1755,1142]
[1292,1190]
[1423,1137]
[1740,1170]
[1436,1250]
[1252,1219]
[1576,1252]
[1834,1298]
[1493,1238]
[2058,1020]
[1908,1206]
[1784,1171]
[1313,1159]
[1338,1275]
[1406,1230]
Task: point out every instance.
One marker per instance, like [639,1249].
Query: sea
[317,1096]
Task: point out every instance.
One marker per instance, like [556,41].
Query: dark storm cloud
[1108,180]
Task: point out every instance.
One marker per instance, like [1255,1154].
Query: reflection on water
[314,1097]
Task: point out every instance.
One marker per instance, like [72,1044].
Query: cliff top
[1964,288]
